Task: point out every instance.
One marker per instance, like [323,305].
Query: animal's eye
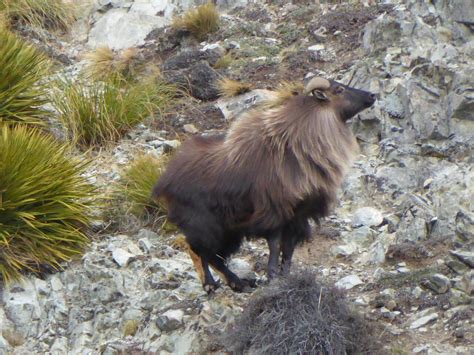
[339,90]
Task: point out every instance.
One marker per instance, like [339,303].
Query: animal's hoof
[211,287]
[242,285]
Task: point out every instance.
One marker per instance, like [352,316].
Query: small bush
[48,14]
[199,22]
[298,315]
[104,111]
[21,66]
[44,202]
[230,88]
[104,63]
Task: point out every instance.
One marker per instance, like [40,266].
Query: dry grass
[230,88]
[298,315]
[48,14]
[104,63]
[199,22]
[283,92]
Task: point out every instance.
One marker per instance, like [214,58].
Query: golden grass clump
[199,22]
[230,88]
[47,14]
[284,91]
[137,182]
[45,202]
[104,63]
[102,112]
[21,68]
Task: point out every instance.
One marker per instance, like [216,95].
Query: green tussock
[199,22]
[21,67]
[47,14]
[45,202]
[102,112]
[224,61]
[137,183]
[130,327]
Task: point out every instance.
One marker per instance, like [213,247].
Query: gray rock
[170,320]
[349,282]
[169,146]
[145,245]
[423,320]
[241,268]
[437,283]
[233,107]
[344,250]
[367,216]
[121,28]
[467,257]
[122,257]
[466,283]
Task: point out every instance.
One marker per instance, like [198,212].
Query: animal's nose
[373,97]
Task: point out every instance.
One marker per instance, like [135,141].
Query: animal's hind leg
[274,247]
[287,248]
[297,231]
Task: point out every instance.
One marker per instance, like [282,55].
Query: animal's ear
[320,95]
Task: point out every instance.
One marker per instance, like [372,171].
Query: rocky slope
[400,240]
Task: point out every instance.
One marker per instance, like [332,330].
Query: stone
[145,245]
[466,283]
[199,80]
[233,107]
[467,257]
[349,282]
[241,268]
[344,250]
[170,320]
[367,216]
[171,145]
[122,257]
[437,283]
[190,128]
[120,29]
[188,58]
[423,320]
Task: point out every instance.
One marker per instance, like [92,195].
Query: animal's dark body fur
[265,178]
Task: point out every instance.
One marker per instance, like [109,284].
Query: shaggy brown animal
[278,166]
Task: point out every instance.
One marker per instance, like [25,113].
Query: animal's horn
[316,83]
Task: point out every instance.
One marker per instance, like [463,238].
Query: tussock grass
[230,88]
[21,67]
[47,14]
[135,187]
[45,202]
[102,112]
[200,22]
[137,183]
[298,315]
[104,64]
[224,61]
[283,92]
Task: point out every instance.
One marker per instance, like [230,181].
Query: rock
[170,320]
[466,283]
[233,107]
[122,257]
[344,250]
[467,257]
[145,245]
[200,80]
[241,268]
[169,146]
[188,58]
[367,216]
[190,128]
[349,282]
[423,320]
[437,283]
[121,28]
[362,236]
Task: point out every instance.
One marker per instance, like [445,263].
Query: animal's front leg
[287,249]
[274,247]
[202,268]
[234,282]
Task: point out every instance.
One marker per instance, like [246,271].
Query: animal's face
[346,101]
